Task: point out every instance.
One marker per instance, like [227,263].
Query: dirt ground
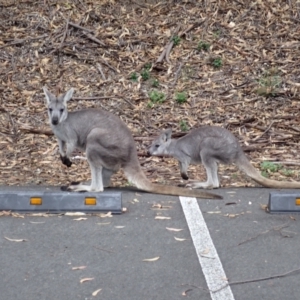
[155,64]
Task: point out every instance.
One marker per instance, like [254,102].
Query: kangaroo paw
[76,187]
[66,161]
[184,176]
[201,185]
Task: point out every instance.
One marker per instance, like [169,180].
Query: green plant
[155,83]
[287,172]
[203,46]
[234,176]
[134,76]
[156,96]
[145,74]
[217,62]
[268,166]
[217,33]
[150,104]
[181,97]
[183,125]
[268,83]
[176,40]
[148,66]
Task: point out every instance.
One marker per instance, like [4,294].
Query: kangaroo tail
[139,179]
[244,165]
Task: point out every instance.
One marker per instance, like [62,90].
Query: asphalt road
[250,244]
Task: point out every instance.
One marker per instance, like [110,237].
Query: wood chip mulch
[236,63]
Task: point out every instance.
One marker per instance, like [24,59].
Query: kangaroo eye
[61,110]
[157,146]
[50,109]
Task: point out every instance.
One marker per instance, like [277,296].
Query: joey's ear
[49,96]
[68,95]
[167,134]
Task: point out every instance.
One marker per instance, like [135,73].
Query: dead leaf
[162,218]
[16,215]
[80,219]
[5,213]
[79,268]
[86,279]
[107,223]
[263,206]
[179,239]
[96,292]
[107,215]
[74,214]
[213,212]
[160,207]
[151,259]
[119,226]
[185,292]
[232,215]
[173,229]
[15,240]
[204,252]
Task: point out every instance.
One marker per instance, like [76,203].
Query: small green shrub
[287,172]
[268,166]
[156,96]
[217,62]
[145,74]
[148,66]
[150,104]
[269,83]
[155,83]
[181,97]
[203,46]
[176,40]
[183,125]
[134,76]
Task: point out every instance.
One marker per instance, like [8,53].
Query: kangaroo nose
[55,121]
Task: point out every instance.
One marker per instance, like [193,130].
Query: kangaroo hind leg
[96,183]
[211,168]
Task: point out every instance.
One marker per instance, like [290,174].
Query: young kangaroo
[210,145]
[108,144]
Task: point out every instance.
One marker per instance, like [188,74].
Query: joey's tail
[140,180]
[244,165]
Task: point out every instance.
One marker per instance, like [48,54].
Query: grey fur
[210,145]
[108,144]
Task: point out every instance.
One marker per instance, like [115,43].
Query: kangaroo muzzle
[54,120]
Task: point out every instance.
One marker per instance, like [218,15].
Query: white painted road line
[208,257]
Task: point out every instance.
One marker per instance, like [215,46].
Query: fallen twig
[267,129]
[80,27]
[94,39]
[278,228]
[100,70]
[177,74]
[21,41]
[256,280]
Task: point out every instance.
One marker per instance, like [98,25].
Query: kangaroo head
[160,145]
[57,106]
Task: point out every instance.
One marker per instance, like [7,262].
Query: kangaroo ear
[49,96]
[167,134]
[68,95]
